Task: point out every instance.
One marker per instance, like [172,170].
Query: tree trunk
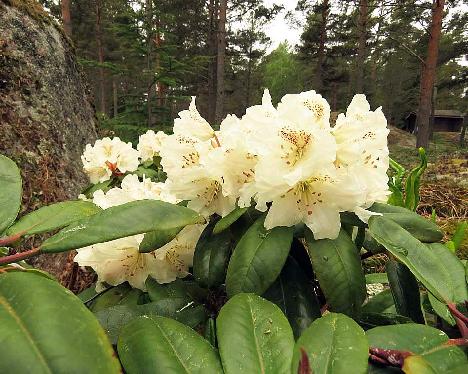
[428,75]
[362,39]
[66,18]
[212,64]
[220,61]
[46,116]
[149,59]
[250,63]
[114,96]
[100,53]
[321,50]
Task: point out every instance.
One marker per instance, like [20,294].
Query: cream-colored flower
[108,157]
[190,123]
[149,144]
[307,108]
[119,260]
[361,137]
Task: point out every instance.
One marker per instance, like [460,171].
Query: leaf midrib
[259,354]
[9,308]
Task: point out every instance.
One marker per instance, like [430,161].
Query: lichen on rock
[46,116]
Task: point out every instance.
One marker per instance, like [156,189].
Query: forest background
[144,59]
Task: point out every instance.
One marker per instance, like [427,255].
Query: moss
[32,8]
[36,11]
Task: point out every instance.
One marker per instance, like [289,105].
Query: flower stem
[10,239]
[19,256]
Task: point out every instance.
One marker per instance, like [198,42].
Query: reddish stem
[459,341]
[19,256]
[456,313]
[304,364]
[10,239]
[392,357]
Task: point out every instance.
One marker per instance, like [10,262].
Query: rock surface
[46,116]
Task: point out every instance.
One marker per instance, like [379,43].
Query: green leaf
[133,218]
[10,192]
[380,303]
[258,258]
[293,293]
[337,266]
[254,336]
[110,297]
[458,236]
[370,320]
[441,310]
[157,239]
[53,217]
[227,221]
[422,340]
[420,227]
[161,345]
[211,257]
[417,365]
[104,186]
[181,289]
[423,262]
[405,291]
[376,278]
[335,344]
[44,324]
[413,182]
[455,269]
[113,319]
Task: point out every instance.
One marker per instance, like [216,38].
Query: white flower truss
[149,144]
[286,160]
[108,157]
[119,260]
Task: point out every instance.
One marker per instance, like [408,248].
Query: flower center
[316,108]
[296,145]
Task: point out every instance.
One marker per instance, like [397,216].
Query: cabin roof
[442,113]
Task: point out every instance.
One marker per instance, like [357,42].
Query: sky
[279,29]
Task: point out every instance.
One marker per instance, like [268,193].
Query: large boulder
[46,116]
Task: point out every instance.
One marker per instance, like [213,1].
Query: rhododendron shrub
[237,250]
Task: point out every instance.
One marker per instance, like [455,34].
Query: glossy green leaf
[258,258]
[423,262]
[369,320]
[41,326]
[103,186]
[380,303]
[10,192]
[405,291]
[422,340]
[254,336]
[420,227]
[53,217]
[161,345]
[335,344]
[157,239]
[441,310]
[294,294]
[178,289]
[110,297]
[337,266]
[133,218]
[227,221]
[455,269]
[113,319]
[417,365]
[211,257]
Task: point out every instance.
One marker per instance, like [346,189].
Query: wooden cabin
[444,121]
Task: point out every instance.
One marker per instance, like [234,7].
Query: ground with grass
[445,183]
